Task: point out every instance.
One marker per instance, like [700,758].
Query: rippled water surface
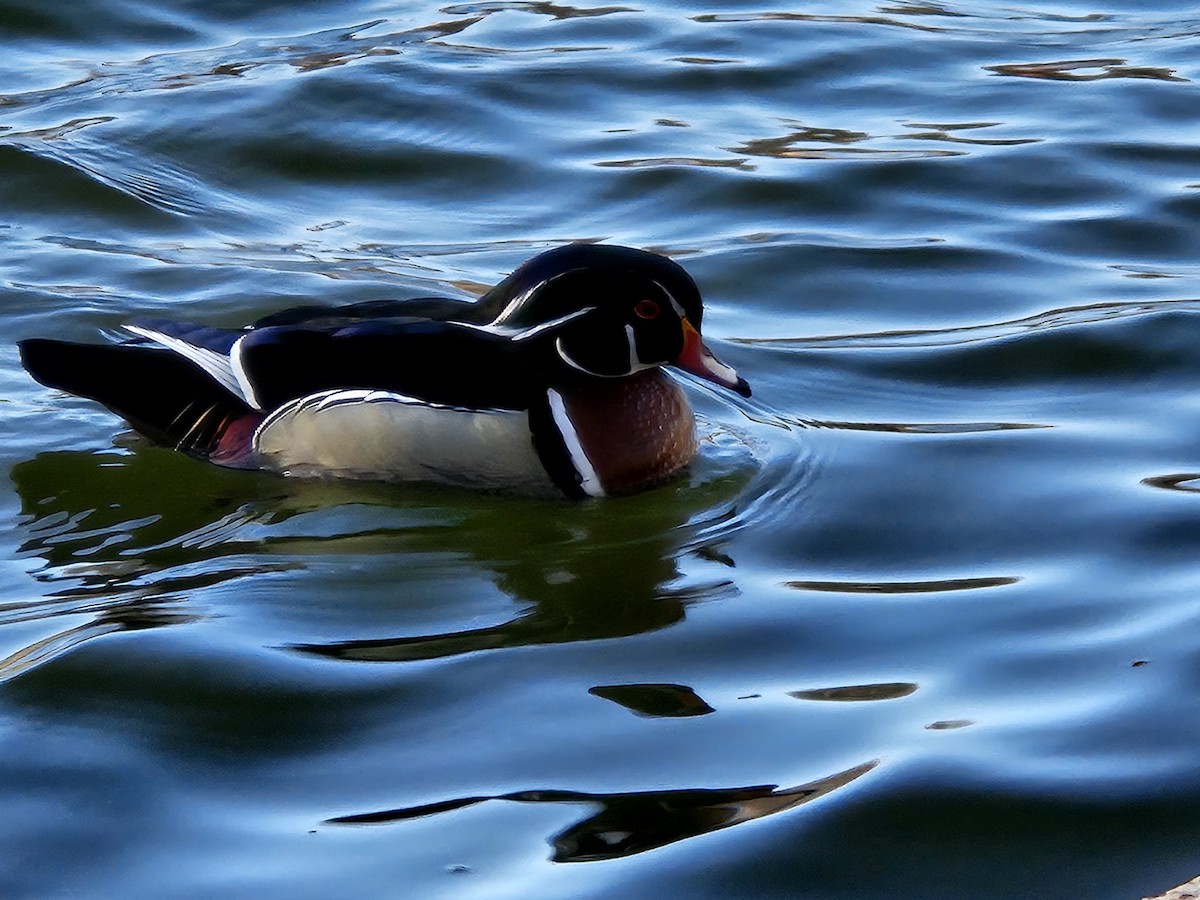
[922,621]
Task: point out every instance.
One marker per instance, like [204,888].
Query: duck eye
[647,309]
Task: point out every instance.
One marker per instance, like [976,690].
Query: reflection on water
[1188,482]
[949,724]
[1066,317]
[791,146]
[634,601]
[655,700]
[669,161]
[127,537]
[124,542]
[130,616]
[817,18]
[553,10]
[636,822]
[856,693]
[1084,70]
[104,522]
[953,242]
[903,587]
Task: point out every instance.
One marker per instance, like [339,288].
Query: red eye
[647,309]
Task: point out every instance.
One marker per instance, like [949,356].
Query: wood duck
[553,379]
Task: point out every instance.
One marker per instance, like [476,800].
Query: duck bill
[697,359]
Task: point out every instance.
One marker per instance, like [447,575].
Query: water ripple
[726,18]
[857,693]
[1065,317]
[553,10]
[973,510]
[935,586]
[1084,70]
[630,823]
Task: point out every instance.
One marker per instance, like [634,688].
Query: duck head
[609,312]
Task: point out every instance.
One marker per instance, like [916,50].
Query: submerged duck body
[552,380]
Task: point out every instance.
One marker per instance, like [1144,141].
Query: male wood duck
[552,379]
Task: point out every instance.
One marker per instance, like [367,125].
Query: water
[921,622]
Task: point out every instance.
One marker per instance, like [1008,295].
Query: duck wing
[446,363]
[184,384]
[438,309]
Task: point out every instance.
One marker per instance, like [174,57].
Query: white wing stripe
[216,365]
[238,366]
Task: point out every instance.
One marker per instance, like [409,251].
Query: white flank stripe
[338,397]
[215,365]
[579,459]
[239,372]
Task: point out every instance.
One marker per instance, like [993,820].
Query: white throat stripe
[589,480]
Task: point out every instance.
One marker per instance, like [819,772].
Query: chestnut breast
[636,431]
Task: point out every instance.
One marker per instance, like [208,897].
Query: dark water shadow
[858,693]
[103,523]
[936,586]
[1039,323]
[124,540]
[609,569]
[1186,482]
[584,574]
[597,603]
[654,701]
[128,539]
[629,823]
[1084,70]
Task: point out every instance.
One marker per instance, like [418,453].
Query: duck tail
[159,393]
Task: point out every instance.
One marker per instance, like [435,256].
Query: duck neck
[636,431]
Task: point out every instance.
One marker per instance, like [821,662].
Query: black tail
[159,393]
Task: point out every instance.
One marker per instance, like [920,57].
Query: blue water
[923,620]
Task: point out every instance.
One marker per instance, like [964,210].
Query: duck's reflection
[121,533]
[586,573]
[629,823]
[613,590]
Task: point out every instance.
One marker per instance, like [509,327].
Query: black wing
[439,362]
[438,309]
